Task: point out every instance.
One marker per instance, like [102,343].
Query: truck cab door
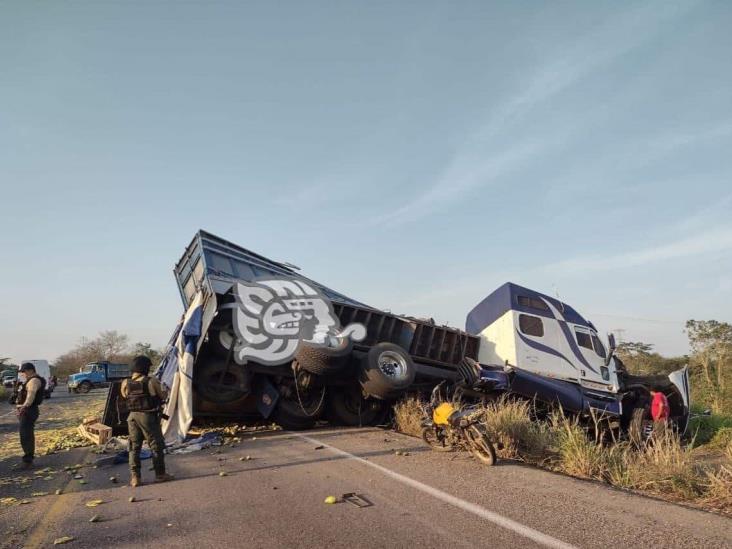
[592,367]
[97,374]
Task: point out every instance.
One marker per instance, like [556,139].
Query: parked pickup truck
[97,374]
[551,353]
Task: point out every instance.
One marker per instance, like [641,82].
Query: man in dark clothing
[29,399]
[144,396]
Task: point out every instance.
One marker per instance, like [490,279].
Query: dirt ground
[56,426]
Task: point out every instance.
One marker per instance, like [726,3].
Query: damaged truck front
[557,357]
[348,380]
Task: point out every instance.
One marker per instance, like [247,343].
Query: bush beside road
[668,468]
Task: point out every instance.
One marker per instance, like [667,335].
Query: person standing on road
[145,396]
[30,398]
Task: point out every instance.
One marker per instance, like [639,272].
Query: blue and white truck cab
[557,356]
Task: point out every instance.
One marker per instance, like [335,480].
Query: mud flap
[680,379]
[267,396]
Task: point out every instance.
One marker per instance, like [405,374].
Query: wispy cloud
[483,160]
[710,241]
[464,174]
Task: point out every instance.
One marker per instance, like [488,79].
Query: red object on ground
[660,410]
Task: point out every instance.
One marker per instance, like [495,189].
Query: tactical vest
[139,398]
[39,394]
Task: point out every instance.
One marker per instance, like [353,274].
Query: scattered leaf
[330,500]
[94,502]
[39,494]
[223,474]
[59,492]
[95,518]
[131,499]
[61,541]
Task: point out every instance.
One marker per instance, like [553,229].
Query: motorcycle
[448,429]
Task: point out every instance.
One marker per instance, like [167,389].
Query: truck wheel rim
[226,339]
[393,365]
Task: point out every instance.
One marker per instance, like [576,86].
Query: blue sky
[412,154]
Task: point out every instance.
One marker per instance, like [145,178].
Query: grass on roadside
[409,413]
[665,466]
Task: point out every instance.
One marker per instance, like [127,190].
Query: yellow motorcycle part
[441,413]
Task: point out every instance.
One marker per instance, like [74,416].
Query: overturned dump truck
[345,379]
[268,342]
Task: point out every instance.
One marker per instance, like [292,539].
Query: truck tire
[220,341]
[220,384]
[290,415]
[385,370]
[84,387]
[324,361]
[636,428]
[347,406]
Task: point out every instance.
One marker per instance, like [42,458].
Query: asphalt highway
[276,499]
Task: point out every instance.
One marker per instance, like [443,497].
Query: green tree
[711,343]
[639,358]
[147,350]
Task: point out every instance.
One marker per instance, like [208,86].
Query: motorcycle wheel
[440,444]
[480,445]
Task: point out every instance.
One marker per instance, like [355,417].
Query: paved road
[422,500]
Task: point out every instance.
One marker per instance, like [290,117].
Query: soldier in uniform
[144,396]
[29,399]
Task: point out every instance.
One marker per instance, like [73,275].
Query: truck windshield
[88,368]
[599,349]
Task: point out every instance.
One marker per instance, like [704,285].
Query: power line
[656,320]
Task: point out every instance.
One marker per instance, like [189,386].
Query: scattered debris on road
[62,540]
[357,500]
[330,500]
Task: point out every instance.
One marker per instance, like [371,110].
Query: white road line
[477,510]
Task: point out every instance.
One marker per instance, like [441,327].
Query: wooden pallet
[98,433]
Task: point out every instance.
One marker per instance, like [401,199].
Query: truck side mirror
[611,342]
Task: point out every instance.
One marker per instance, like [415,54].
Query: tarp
[176,372]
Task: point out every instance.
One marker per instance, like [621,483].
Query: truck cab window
[599,348]
[531,325]
[584,340]
[533,302]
